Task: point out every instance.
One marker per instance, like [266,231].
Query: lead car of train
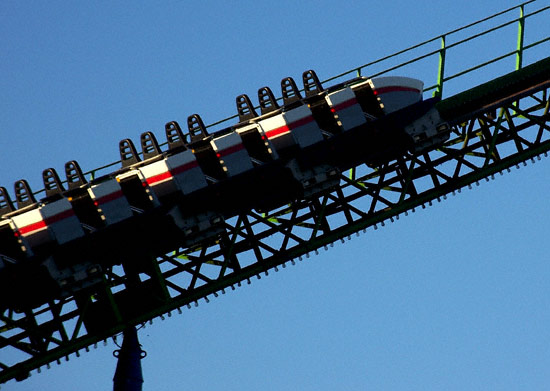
[181,196]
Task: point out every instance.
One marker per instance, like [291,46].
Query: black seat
[52,183]
[128,153]
[197,130]
[75,178]
[149,145]
[268,103]
[244,108]
[290,91]
[202,149]
[312,85]
[175,137]
[6,206]
[23,194]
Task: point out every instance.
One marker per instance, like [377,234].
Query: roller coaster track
[495,126]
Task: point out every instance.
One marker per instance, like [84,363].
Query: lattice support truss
[505,134]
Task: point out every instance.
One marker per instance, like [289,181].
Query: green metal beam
[462,104]
[369,197]
[521,37]
[481,136]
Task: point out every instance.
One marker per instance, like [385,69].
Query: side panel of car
[136,190]
[347,109]
[110,201]
[33,228]
[186,171]
[13,245]
[256,143]
[302,125]
[61,221]
[232,153]
[276,129]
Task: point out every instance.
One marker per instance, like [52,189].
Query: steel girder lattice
[503,134]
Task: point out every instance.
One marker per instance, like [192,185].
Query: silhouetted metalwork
[495,126]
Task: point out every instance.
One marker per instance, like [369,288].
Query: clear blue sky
[454,297]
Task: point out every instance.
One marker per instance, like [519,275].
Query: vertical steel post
[128,375]
[441,72]
[521,34]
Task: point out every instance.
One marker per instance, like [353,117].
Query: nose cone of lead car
[397,92]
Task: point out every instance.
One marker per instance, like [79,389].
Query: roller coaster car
[44,224]
[181,196]
[133,182]
[292,127]
[224,151]
[98,204]
[246,182]
[167,179]
[268,184]
[254,139]
[40,228]
[301,124]
[201,146]
[395,120]
[175,172]
[104,212]
[232,154]
[12,244]
[403,94]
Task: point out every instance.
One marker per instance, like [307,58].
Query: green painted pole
[441,72]
[521,35]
